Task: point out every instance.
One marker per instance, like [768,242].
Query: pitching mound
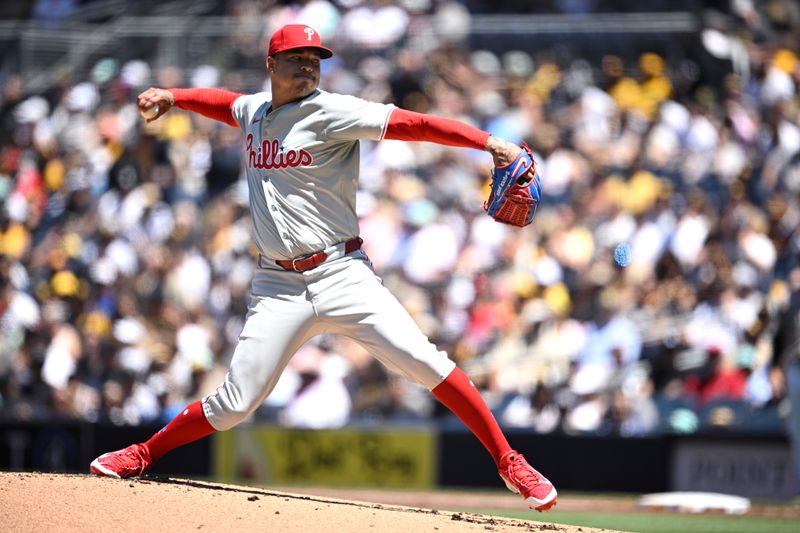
[62,502]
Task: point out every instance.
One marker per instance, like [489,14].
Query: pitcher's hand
[163,98]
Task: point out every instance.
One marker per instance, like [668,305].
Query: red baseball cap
[294,36]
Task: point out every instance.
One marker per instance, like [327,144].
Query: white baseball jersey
[302,164]
[302,170]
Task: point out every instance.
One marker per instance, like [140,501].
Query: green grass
[658,522]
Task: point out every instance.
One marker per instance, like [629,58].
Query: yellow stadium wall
[400,458]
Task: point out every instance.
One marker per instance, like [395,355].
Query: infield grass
[657,522]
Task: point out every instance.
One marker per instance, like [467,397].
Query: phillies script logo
[271,155]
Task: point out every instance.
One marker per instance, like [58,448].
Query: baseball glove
[514,194]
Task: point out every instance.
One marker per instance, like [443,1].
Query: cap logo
[292,36]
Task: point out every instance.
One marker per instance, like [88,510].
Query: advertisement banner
[760,470]
[349,457]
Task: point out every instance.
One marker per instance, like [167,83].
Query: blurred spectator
[632,417]
[717,378]
[536,411]
[589,403]
[320,400]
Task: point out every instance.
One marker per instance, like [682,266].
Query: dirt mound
[63,502]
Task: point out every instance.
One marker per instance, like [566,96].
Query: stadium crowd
[651,293]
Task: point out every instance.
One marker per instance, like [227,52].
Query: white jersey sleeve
[246,106]
[349,118]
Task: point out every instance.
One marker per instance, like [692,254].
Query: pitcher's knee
[428,370]
[225,420]
[227,408]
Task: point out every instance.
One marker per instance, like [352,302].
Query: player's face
[295,72]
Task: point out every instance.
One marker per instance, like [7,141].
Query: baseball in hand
[150,112]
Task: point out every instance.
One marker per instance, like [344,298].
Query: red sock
[459,395]
[187,427]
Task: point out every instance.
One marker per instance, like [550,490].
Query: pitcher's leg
[458,393]
[273,331]
[392,336]
[366,311]
[190,425]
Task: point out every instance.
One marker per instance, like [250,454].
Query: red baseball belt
[301,264]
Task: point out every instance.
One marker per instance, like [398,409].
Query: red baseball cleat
[522,478]
[127,462]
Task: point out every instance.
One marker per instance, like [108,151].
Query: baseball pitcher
[301,154]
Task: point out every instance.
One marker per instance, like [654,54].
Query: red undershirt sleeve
[404,125]
[211,103]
